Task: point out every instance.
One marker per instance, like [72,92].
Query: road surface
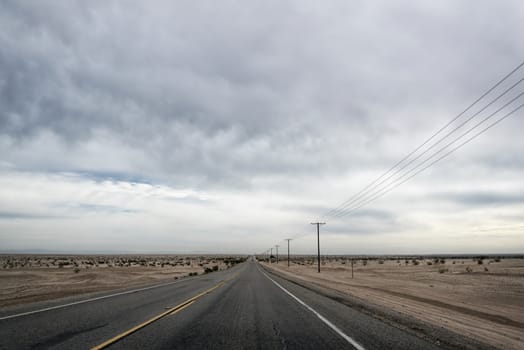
[244,307]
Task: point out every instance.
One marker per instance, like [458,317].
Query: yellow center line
[181,308]
[170,311]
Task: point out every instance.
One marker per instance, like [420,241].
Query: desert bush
[415,262]
[381,261]
[480,261]
[486,269]
[76,270]
[364,262]
[429,263]
[442,270]
[215,268]
[469,269]
[497,260]
[208,270]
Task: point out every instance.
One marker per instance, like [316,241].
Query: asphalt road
[240,308]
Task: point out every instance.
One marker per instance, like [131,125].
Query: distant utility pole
[277,252]
[318,241]
[271,256]
[288,239]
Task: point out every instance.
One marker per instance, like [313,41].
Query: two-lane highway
[240,308]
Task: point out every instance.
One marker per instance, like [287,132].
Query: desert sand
[480,299]
[30,278]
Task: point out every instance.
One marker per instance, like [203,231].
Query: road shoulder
[436,335]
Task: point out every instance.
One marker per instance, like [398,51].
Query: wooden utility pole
[318,241]
[288,239]
[277,251]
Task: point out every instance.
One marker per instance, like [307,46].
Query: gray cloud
[7,215]
[288,98]
[482,198]
[86,208]
[211,94]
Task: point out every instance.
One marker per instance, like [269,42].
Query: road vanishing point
[244,307]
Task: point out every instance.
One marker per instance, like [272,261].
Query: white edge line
[87,300]
[322,318]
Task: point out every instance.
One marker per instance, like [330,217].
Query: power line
[348,201]
[372,188]
[342,213]
[395,185]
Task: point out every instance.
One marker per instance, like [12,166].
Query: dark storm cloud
[223,93]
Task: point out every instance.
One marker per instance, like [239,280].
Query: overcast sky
[227,126]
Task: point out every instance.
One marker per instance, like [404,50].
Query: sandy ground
[483,301]
[25,278]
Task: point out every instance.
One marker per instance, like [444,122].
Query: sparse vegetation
[149,262]
[442,269]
